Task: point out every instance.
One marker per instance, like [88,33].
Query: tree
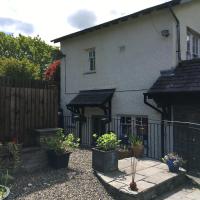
[22,69]
[33,49]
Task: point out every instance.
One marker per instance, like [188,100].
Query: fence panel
[26,105]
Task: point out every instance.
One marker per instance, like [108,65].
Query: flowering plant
[52,71]
[173,160]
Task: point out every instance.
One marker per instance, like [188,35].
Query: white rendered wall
[189,16]
[132,72]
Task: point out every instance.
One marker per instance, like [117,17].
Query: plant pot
[172,168]
[104,161]
[124,153]
[56,160]
[6,193]
[138,151]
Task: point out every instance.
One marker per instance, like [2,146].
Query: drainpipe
[162,123]
[178,37]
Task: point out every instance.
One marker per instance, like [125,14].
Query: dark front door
[98,127]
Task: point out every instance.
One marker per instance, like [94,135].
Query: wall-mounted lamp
[165,33]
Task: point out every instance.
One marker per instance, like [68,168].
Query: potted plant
[124,150]
[173,161]
[5,178]
[59,149]
[4,192]
[104,156]
[137,146]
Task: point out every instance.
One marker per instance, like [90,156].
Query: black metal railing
[180,137]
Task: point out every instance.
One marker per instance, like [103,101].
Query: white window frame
[92,59]
[193,44]
[133,122]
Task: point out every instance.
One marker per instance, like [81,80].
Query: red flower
[51,69]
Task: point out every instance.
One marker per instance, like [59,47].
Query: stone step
[33,159]
[153,179]
[188,191]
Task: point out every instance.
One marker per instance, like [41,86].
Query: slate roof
[121,19]
[184,78]
[92,97]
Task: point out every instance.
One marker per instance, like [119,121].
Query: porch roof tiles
[184,78]
[92,97]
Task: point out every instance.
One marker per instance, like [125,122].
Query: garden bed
[78,182]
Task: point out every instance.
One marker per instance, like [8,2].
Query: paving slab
[159,177]
[150,171]
[152,179]
[187,192]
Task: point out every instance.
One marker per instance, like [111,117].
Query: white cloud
[82,19]
[49,17]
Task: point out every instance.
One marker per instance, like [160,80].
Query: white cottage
[108,68]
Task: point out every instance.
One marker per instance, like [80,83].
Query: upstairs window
[91,54]
[193,45]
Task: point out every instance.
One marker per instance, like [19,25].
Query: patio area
[152,178]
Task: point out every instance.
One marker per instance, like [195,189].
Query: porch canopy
[178,86]
[92,98]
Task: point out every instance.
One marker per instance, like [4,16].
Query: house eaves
[171,3]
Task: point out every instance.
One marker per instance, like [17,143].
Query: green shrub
[61,143]
[107,142]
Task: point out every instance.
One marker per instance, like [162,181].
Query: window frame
[92,59]
[133,124]
[193,44]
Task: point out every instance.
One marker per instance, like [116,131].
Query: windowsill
[92,72]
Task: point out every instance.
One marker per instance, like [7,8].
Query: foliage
[107,142]
[52,72]
[5,178]
[2,192]
[35,50]
[18,68]
[135,140]
[61,143]
[174,158]
[10,156]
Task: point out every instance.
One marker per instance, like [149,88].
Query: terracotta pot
[124,153]
[138,151]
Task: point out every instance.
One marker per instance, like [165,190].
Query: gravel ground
[76,183]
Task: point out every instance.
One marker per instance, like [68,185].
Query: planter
[138,151]
[58,161]
[7,192]
[124,153]
[172,167]
[104,161]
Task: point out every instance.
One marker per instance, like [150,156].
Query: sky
[51,19]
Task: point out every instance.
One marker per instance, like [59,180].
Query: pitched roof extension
[184,78]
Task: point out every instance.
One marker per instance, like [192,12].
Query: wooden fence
[26,105]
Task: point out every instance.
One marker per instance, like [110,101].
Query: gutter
[162,123]
[178,37]
[152,106]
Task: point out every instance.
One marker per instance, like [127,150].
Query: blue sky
[54,18]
